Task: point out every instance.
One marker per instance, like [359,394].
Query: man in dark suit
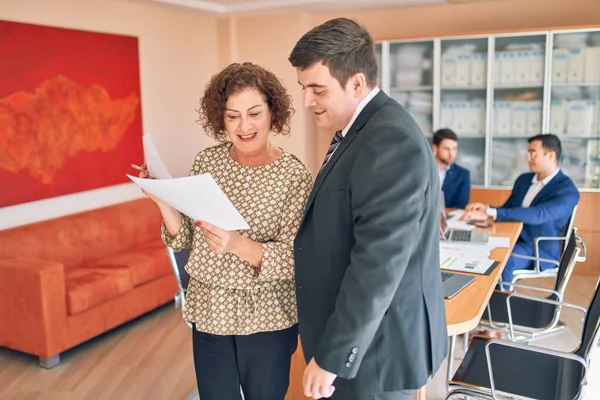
[543,200]
[455,180]
[370,302]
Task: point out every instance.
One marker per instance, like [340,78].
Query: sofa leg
[50,362]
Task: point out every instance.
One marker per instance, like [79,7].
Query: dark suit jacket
[457,187]
[548,214]
[370,300]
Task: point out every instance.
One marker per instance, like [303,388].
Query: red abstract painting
[70,111]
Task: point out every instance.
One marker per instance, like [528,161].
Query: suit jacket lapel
[365,115]
[549,188]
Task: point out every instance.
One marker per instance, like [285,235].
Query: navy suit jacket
[457,187]
[547,215]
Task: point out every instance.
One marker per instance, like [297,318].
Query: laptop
[454,283]
[459,235]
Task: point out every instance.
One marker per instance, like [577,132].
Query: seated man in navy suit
[543,200]
[454,179]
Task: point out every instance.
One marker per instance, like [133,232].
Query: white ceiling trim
[273,5]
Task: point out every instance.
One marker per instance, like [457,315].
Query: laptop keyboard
[446,276]
[460,236]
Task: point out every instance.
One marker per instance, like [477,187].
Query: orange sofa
[67,280]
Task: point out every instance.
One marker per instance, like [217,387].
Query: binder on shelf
[519,117]
[560,63]
[536,67]
[558,116]
[575,66]
[478,69]
[502,117]
[592,64]
[448,70]
[522,63]
[534,117]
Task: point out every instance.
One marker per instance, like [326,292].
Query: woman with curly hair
[241,296]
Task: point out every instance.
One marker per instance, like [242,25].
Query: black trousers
[401,395]
[259,363]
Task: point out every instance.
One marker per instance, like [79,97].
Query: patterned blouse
[227,295]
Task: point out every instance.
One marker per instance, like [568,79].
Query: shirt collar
[363,103]
[547,179]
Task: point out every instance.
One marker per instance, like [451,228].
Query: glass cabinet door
[463,90]
[411,80]
[575,103]
[518,95]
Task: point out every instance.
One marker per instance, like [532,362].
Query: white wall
[177,55]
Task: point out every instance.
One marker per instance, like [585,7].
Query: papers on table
[155,166]
[466,264]
[456,258]
[470,257]
[499,241]
[197,196]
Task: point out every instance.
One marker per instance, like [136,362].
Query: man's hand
[476,216]
[476,207]
[317,382]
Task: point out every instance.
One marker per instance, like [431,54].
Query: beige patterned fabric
[226,295]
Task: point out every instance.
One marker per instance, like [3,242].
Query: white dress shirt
[443,175]
[363,103]
[535,188]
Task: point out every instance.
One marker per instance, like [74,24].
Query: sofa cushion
[146,262]
[88,287]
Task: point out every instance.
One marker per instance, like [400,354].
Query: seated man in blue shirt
[455,180]
[543,200]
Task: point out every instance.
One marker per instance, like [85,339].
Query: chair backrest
[178,261]
[568,229]
[567,263]
[591,327]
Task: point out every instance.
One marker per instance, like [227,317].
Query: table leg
[450,361]
[421,393]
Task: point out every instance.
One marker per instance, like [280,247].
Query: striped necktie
[335,142]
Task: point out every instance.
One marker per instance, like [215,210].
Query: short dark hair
[442,134]
[550,142]
[234,79]
[342,45]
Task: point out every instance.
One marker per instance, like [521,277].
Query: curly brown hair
[234,79]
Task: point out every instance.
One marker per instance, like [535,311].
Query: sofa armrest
[33,307]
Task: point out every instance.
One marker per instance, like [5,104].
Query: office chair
[537,272]
[533,319]
[500,369]
[178,261]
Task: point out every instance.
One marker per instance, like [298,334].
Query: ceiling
[235,7]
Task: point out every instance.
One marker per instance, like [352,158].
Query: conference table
[463,311]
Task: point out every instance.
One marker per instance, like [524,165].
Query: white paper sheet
[155,166]
[197,196]
[474,265]
[499,241]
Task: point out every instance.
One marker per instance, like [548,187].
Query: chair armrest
[583,257]
[33,307]
[537,260]
[524,347]
[547,301]
[531,287]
